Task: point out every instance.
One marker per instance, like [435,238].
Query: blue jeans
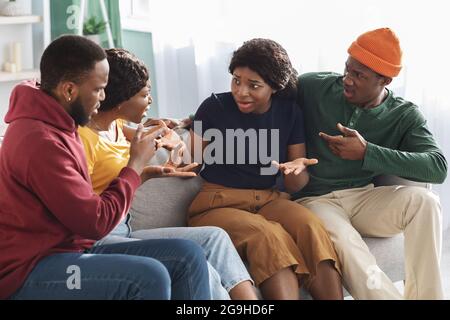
[148,269]
[225,266]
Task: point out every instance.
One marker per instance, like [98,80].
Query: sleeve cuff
[131,176]
[369,162]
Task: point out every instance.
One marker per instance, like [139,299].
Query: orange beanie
[378,50]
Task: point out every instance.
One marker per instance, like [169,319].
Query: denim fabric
[123,229]
[220,251]
[148,269]
[226,268]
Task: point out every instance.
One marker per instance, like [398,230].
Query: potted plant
[92,29]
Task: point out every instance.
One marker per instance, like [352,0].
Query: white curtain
[194,40]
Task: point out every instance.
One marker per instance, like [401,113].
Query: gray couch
[163,203]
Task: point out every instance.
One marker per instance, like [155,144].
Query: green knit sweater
[399,142]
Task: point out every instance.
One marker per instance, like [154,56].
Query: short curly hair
[68,58]
[271,61]
[127,76]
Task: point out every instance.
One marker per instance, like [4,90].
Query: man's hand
[143,147]
[170,123]
[162,142]
[296,166]
[350,146]
[168,170]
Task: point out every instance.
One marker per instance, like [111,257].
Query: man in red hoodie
[50,216]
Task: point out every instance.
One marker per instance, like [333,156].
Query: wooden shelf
[19,20]
[18,76]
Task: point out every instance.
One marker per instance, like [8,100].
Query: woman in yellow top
[107,150]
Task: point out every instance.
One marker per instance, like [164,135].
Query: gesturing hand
[296,166]
[350,146]
[156,122]
[169,170]
[143,147]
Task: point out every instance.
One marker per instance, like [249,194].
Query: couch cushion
[389,253]
[163,202]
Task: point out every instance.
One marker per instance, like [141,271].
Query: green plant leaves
[94,26]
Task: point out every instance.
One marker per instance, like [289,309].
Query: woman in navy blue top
[247,138]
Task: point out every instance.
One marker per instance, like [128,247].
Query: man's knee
[151,278]
[187,248]
[423,202]
[428,197]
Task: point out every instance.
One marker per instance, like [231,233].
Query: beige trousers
[384,212]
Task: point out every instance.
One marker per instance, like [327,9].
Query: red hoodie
[47,204]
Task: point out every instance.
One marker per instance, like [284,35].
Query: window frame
[130,20]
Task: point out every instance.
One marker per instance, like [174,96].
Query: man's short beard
[78,113]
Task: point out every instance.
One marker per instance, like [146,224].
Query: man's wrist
[135,166]
[364,150]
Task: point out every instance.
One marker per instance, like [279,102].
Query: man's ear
[67,91]
[386,81]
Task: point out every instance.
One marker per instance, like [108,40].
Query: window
[135,15]
[140,8]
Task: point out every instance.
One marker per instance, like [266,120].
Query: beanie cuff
[373,62]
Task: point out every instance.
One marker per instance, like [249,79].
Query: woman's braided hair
[127,76]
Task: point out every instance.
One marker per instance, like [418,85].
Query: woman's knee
[294,213]
[270,235]
[215,234]
[304,220]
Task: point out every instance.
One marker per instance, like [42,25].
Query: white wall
[316,34]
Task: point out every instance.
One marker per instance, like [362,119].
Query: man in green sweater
[359,129]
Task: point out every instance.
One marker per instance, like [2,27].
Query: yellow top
[105,158]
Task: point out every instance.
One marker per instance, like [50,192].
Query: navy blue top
[241,166]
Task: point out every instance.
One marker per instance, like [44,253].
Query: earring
[69,99]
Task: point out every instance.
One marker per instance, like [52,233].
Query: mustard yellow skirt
[269,231]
